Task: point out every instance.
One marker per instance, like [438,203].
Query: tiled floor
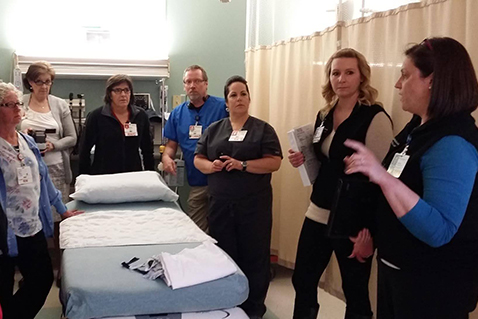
[279,300]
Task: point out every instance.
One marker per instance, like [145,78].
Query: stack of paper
[300,139]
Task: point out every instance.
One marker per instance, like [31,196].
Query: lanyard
[405,150]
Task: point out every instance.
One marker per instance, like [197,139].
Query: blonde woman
[351,112]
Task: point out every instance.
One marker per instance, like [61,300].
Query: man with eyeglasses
[184,127]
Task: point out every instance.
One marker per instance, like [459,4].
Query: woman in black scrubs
[239,154]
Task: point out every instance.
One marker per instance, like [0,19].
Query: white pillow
[122,187]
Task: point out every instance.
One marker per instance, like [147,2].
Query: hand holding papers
[300,139]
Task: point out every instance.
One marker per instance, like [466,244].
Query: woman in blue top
[26,196]
[428,217]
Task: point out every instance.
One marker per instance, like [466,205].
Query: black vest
[332,168]
[395,243]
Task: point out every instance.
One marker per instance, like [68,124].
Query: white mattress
[128,227]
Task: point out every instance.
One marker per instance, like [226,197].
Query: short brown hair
[196,67]
[35,70]
[115,80]
[454,85]
[367,93]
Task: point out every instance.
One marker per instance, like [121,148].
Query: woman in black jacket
[351,111]
[119,131]
[427,237]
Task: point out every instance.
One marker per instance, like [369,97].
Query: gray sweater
[61,114]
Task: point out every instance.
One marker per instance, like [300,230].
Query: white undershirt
[42,121]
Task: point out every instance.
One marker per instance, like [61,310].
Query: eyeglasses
[190,82]
[40,82]
[120,90]
[12,105]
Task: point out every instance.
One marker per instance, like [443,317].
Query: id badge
[24,174]
[238,136]
[195,132]
[318,134]
[130,129]
[398,164]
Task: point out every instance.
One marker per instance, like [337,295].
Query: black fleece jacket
[115,152]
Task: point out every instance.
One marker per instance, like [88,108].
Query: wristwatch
[244,165]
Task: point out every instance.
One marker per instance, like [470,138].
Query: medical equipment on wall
[77,110]
[172,180]
[143,100]
[17,74]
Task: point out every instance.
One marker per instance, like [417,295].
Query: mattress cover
[129,227]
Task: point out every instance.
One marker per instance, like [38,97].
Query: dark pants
[313,255]
[426,294]
[34,264]
[243,230]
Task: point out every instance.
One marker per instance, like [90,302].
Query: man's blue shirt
[177,129]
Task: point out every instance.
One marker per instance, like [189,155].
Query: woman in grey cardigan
[45,111]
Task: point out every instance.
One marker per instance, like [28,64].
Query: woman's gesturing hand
[296,158]
[363,161]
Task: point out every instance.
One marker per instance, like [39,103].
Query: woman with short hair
[119,131]
[26,196]
[44,111]
[428,216]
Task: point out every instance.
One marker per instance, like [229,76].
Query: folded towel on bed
[193,266]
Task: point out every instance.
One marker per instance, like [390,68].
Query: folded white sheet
[128,227]
[193,266]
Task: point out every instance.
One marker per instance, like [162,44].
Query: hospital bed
[95,285]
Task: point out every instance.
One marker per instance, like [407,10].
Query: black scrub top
[260,140]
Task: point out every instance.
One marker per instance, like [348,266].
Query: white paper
[300,139]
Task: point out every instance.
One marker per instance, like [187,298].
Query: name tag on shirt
[195,132]
[318,134]
[398,164]
[24,174]
[130,129]
[238,136]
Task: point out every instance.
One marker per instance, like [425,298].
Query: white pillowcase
[122,187]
